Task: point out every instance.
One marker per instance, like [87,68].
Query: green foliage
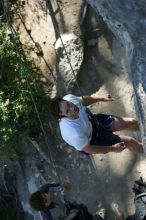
[17,113]
[7,213]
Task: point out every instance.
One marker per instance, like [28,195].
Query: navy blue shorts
[103,135]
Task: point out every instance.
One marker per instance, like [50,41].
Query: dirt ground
[98,178]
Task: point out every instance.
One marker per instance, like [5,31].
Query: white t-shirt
[76,132]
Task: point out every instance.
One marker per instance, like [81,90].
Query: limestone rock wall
[127,20]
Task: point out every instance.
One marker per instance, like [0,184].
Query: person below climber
[50,200]
[48,197]
[79,132]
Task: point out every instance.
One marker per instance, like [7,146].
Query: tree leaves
[17,115]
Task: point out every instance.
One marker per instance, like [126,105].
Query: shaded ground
[98,178]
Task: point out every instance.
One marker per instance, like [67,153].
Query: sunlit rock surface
[127,20]
[69,50]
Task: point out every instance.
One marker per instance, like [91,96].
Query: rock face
[10,204]
[127,20]
[69,49]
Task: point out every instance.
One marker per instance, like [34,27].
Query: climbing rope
[22,60]
[59,35]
